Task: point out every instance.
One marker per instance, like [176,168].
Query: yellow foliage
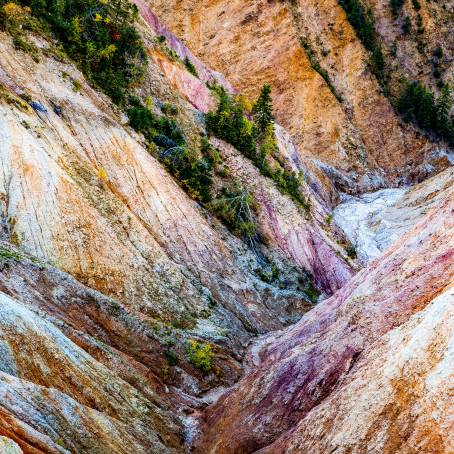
[108,51]
[12,10]
[98,17]
[245,102]
[201,355]
[149,102]
[102,175]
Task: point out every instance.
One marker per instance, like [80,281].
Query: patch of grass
[13,100]
[77,86]
[7,254]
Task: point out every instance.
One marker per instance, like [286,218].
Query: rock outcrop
[372,222]
[79,192]
[369,368]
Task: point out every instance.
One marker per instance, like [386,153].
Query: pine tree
[263,110]
[444,122]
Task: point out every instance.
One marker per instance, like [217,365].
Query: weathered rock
[425,52]
[288,228]
[98,360]
[347,130]
[8,446]
[324,374]
[53,390]
[81,191]
[374,221]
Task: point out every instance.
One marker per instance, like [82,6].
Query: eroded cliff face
[72,377]
[369,368]
[345,128]
[110,272]
[80,192]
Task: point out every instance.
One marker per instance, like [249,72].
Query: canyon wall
[369,368]
[344,127]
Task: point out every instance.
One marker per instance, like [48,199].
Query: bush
[351,251]
[229,123]
[416,4]
[363,22]
[318,67]
[190,67]
[16,20]
[172,358]
[236,208]
[396,6]
[406,27]
[193,173]
[262,111]
[200,355]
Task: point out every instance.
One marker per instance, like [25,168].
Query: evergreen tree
[444,122]
[396,6]
[263,110]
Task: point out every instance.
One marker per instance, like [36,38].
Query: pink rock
[205,73]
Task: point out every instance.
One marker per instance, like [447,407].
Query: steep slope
[55,396]
[59,205]
[376,352]
[342,125]
[422,49]
[127,307]
[81,192]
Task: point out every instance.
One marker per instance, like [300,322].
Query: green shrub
[16,20]
[318,67]
[230,124]
[396,6]
[236,208]
[362,20]
[262,111]
[416,5]
[306,285]
[190,67]
[406,27]
[351,251]
[417,104]
[172,357]
[169,109]
[193,173]
[200,355]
